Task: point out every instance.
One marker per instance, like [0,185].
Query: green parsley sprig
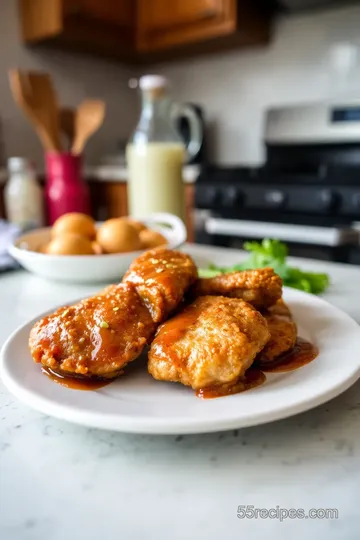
[273,253]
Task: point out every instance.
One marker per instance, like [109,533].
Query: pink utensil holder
[65,189]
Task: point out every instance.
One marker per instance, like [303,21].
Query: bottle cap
[16,164]
[150,82]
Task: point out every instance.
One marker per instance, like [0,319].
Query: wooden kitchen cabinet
[190,207]
[158,16]
[105,27]
[109,200]
[199,25]
[141,31]
[163,24]
[111,12]
[116,199]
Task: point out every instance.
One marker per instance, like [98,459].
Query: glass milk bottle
[23,195]
[156,153]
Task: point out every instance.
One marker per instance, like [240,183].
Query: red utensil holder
[65,189]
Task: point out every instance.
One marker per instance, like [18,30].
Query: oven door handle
[302,234]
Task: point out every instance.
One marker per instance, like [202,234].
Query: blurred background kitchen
[275,85]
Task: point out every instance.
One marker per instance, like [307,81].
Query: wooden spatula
[67,124]
[34,94]
[89,117]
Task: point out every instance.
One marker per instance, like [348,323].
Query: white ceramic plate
[89,268]
[137,403]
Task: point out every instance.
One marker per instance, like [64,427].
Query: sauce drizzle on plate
[76,383]
[303,353]
[251,379]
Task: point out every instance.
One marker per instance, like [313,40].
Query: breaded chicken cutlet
[261,288]
[218,335]
[96,337]
[161,278]
[210,342]
[100,335]
[283,332]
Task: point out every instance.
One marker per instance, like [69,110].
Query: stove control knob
[230,197]
[212,196]
[327,199]
[206,196]
[275,198]
[355,200]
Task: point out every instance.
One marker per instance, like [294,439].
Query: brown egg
[96,248]
[137,225]
[74,223]
[70,244]
[118,236]
[151,239]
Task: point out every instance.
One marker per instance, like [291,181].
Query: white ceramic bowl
[89,268]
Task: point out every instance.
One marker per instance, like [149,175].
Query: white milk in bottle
[156,153]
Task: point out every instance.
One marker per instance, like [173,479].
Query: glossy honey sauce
[76,383]
[251,379]
[303,353]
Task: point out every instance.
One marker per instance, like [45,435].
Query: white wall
[75,77]
[312,57]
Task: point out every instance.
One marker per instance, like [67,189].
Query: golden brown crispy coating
[212,341]
[95,337]
[161,277]
[283,332]
[261,287]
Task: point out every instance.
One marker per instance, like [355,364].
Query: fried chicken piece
[161,277]
[96,337]
[283,332]
[260,288]
[100,335]
[212,341]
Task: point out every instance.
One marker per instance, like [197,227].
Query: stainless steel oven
[307,193]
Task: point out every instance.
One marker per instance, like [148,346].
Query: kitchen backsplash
[75,77]
[312,57]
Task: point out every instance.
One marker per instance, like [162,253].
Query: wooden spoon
[67,124]
[89,117]
[34,94]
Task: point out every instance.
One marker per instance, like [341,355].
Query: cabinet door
[163,24]
[113,12]
[116,199]
[162,14]
[108,199]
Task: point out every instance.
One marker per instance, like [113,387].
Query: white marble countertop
[116,173]
[60,481]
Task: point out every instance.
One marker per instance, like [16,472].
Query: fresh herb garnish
[273,253]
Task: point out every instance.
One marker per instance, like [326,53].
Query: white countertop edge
[115,173]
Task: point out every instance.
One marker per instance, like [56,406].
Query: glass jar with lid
[156,152]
